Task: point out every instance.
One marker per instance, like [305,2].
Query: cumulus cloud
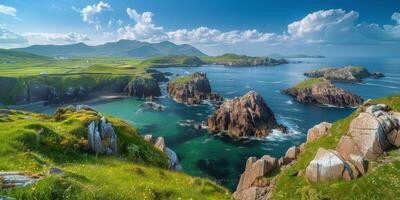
[55,38]
[144,29]
[7,10]
[90,11]
[9,37]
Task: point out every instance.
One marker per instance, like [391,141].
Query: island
[245,116]
[192,89]
[243,60]
[322,91]
[347,73]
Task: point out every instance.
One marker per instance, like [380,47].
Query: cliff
[348,73]
[243,116]
[322,91]
[191,89]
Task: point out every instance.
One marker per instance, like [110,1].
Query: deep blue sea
[222,158]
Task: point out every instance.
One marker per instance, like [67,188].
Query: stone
[292,152]
[367,134]
[326,166]
[318,130]
[55,170]
[17,179]
[160,144]
[244,116]
[102,138]
[347,73]
[173,162]
[359,163]
[394,137]
[302,147]
[148,138]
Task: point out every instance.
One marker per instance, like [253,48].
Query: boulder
[148,138]
[173,162]
[248,115]
[367,135]
[317,131]
[326,166]
[101,137]
[291,154]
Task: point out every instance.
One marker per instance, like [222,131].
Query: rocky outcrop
[159,143]
[348,73]
[247,115]
[243,60]
[157,75]
[9,180]
[322,91]
[101,137]
[191,89]
[152,106]
[143,87]
[317,131]
[252,184]
[373,131]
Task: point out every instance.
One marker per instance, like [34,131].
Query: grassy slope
[131,174]
[307,83]
[172,61]
[231,58]
[381,181]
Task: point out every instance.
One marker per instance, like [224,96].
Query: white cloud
[9,37]
[55,38]
[144,29]
[7,10]
[90,11]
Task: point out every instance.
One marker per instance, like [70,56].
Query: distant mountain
[296,56]
[121,48]
[6,54]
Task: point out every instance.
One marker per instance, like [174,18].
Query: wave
[290,102]
[231,92]
[260,81]
[384,86]
[247,86]
[277,82]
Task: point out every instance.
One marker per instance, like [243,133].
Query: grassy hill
[8,56]
[121,48]
[382,181]
[33,143]
[172,61]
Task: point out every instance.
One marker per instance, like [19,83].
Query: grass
[381,181]
[35,142]
[172,61]
[308,83]
[182,79]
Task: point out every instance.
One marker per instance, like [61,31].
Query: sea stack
[347,74]
[243,116]
[191,89]
[322,91]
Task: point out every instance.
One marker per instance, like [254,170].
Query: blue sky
[255,27]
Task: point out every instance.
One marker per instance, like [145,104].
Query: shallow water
[222,158]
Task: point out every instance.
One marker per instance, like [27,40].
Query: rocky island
[191,89]
[322,91]
[243,60]
[348,73]
[244,116]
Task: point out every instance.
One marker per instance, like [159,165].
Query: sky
[252,27]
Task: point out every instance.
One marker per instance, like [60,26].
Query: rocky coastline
[346,74]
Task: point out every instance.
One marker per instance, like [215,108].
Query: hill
[121,48]
[55,149]
[10,55]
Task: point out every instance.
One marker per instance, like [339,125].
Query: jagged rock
[348,73]
[143,87]
[157,75]
[148,138]
[326,166]
[191,89]
[251,184]
[173,162]
[367,135]
[152,105]
[323,92]
[242,116]
[318,131]
[101,137]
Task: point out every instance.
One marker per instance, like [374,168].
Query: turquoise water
[222,158]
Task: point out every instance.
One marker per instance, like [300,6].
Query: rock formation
[143,87]
[10,180]
[191,89]
[101,137]
[252,184]
[243,116]
[348,73]
[159,143]
[157,75]
[322,91]
[373,131]
[317,131]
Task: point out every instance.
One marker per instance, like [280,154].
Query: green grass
[381,181]
[172,61]
[128,175]
[182,79]
[308,83]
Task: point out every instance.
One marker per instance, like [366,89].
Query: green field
[33,143]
